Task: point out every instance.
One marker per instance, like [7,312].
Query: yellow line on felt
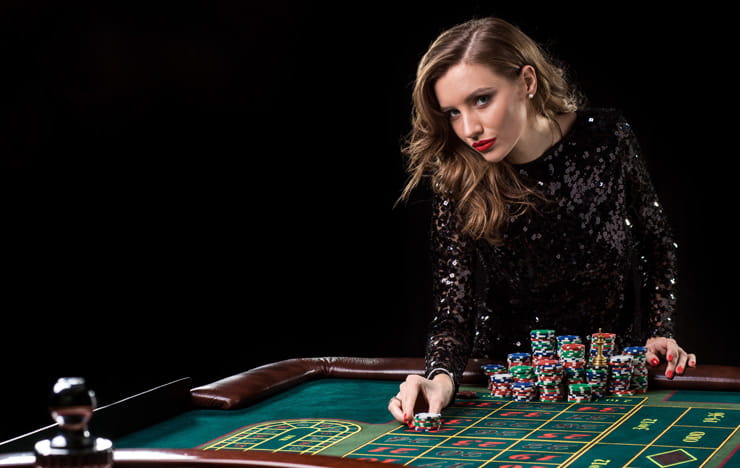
[370,441]
[257,429]
[656,445]
[720,446]
[598,439]
[235,438]
[657,437]
[431,436]
[570,405]
[282,432]
[382,435]
[705,427]
[309,447]
[340,435]
[447,438]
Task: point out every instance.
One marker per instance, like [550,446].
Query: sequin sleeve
[656,247]
[449,340]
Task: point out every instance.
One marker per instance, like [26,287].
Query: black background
[216,180]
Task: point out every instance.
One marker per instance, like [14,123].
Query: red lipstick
[484,145]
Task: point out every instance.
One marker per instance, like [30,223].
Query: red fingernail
[655,361]
[692,363]
[670,358]
[679,370]
[669,374]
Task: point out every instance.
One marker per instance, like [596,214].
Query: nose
[472,127]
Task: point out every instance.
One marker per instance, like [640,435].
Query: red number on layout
[399,450]
[457,421]
[477,443]
[605,409]
[550,435]
[465,442]
[520,466]
[402,450]
[477,404]
[388,460]
[588,408]
[528,456]
[533,414]
[490,444]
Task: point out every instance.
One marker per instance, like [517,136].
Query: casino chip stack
[566,340]
[573,357]
[501,386]
[550,379]
[559,363]
[424,422]
[597,378]
[523,383]
[524,391]
[492,369]
[519,359]
[639,382]
[523,374]
[620,375]
[543,344]
[579,392]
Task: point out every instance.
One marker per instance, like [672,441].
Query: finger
[653,353]
[408,400]
[394,406]
[672,351]
[681,362]
[652,358]
[692,360]
[672,355]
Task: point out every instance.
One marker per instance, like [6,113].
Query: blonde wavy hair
[487,194]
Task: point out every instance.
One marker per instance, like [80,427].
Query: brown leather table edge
[244,388]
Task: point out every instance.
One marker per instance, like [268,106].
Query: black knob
[71,405]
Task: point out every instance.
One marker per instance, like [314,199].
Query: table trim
[193,458]
[241,390]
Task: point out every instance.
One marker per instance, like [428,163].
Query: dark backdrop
[216,180]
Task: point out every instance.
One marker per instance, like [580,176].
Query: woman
[544,216]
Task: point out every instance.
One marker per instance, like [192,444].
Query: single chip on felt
[466,395]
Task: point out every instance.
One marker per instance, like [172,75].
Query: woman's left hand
[676,358]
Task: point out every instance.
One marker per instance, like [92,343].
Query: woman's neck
[541,134]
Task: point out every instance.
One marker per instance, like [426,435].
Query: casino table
[332,412]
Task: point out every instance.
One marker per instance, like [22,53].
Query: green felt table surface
[344,417]
[345,399]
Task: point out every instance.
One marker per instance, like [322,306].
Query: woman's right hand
[417,394]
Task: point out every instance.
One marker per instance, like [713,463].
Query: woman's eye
[482,100]
[452,113]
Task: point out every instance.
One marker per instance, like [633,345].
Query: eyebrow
[471,97]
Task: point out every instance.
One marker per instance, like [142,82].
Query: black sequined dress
[598,254]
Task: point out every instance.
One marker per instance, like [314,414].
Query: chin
[493,156]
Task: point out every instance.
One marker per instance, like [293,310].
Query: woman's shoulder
[603,125]
[601,117]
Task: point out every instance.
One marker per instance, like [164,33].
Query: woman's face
[486,110]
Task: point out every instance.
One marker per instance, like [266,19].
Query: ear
[528,77]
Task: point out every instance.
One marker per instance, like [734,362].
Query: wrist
[446,384]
